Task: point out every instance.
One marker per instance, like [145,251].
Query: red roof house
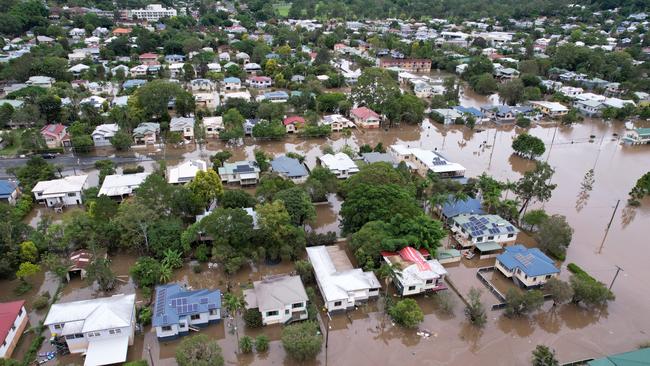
[291,123]
[121,31]
[149,58]
[55,135]
[13,321]
[365,117]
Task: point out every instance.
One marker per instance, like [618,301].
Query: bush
[316,239]
[246,344]
[197,268]
[253,318]
[305,270]
[521,303]
[41,302]
[22,288]
[202,253]
[406,313]
[144,315]
[132,169]
[475,311]
[262,343]
[302,341]
[445,302]
[137,363]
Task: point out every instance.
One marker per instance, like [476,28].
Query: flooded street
[358,338]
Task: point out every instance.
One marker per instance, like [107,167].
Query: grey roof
[290,167]
[276,293]
[375,157]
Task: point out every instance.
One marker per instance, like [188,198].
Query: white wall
[14,334]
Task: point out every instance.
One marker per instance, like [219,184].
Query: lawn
[282,9]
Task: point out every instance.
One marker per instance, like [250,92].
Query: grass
[282,9]
[9,151]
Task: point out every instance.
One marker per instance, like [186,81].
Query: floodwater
[575,333]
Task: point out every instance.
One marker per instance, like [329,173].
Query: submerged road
[69,161]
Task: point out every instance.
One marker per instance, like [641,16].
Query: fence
[490,286]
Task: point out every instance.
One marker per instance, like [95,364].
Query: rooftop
[121,184]
[289,166]
[477,225]
[530,261]
[173,302]
[8,314]
[95,314]
[275,293]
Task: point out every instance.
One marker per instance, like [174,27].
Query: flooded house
[527,267]
[416,271]
[340,164]
[280,299]
[120,186]
[146,133]
[293,123]
[9,191]
[102,328]
[243,172]
[480,231]
[61,192]
[453,207]
[425,161]
[550,109]
[177,311]
[185,172]
[336,122]
[341,285]
[637,136]
[13,321]
[79,260]
[290,168]
[365,117]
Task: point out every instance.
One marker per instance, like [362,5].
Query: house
[231,83]
[243,172]
[103,134]
[183,125]
[293,123]
[146,133]
[212,126]
[214,66]
[637,136]
[77,69]
[102,328]
[448,115]
[174,58]
[13,321]
[425,161]
[252,67]
[55,135]
[499,113]
[365,117]
[133,83]
[638,357]
[148,59]
[416,272]
[453,207]
[177,310]
[336,122]
[280,299]
[408,64]
[208,100]
[589,107]
[378,157]
[259,82]
[118,32]
[224,56]
[120,186]
[139,70]
[249,123]
[79,261]
[202,85]
[278,96]
[290,168]
[151,13]
[61,192]
[550,109]
[528,267]
[341,285]
[185,172]
[472,229]
[9,191]
[340,164]
[243,57]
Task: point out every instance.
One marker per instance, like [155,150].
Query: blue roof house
[177,310]
[290,168]
[453,208]
[9,191]
[528,267]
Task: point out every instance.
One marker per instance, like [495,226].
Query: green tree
[219,158]
[535,184]
[233,123]
[27,270]
[302,341]
[305,271]
[135,220]
[282,239]
[261,343]
[483,84]
[640,189]
[100,270]
[237,198]
[298,204]
[146,272]
[234,304]
[36,169]
[560,291]
[253,318]
[523,302]
[206,186]
[544,356]
[246,344]
[478,65]
[588,291]
[407,313]
[262,160]
[28,252]
[375,88]
[199,350]
[474,310]
[554,236]
[512,92]
[529,146]
[121,141]
[534,218]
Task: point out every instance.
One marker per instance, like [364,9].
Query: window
[195,316]
[70,336]
[337,303]
[214,311]
[58,326]
[115,331]
[286,311]
[411,288]
[20,312]
[167,328]
[480,238]
[548,276]
[4,343]
[78,335]
[511,235]
[490,237]
[71,194]
[272,313]
[297,305]
[13,326]
[181,325]
[429,282]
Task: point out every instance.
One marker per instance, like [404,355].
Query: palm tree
[234,304]
[388,271]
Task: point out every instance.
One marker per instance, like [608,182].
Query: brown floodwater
[574,332]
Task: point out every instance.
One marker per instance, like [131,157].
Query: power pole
[618,269]
[496,131]
[150,356]
[608,226]
[552,141]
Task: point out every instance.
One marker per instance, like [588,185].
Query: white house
[550,109]
[424,161]
[42,81]
[151,13]
[213,125]
[474,229]
[340,164]
[102,329]
[416,272]
[120,186]
[61,192]
[103,134]
[336,122]
[259,82]
[13,321]
[280,299]
[528,267]
[183,125]
[240,172]
[342,286]
[186,171]
[178,310]
[231,83]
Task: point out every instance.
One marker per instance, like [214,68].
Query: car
[48,155]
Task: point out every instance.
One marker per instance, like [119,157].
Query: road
[69,161]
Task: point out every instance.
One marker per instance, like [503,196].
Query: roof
[145,128]
[107,351]
[477,225]
[121,184]
[455,207]
[643,131]
[106,130]
[53,129]
[530,261]
[552,106]
[447,253]
[339,161]
[293,120]
[275,293]
[336,285]
[8,314]
[433,160]
[103,313]
[173,302]
[232,80]
[186,171]
[238,167]
[180,123]
[80,259]
[633,358]
[488,246]
[289,167]
[7,188]
[73,183]
[375,157]
[414,268]
[148,55]
[364,113]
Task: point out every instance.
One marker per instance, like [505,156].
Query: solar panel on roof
[510,229]
[173,303]
[204,300]
[195,307]
[212,306]
[484,220]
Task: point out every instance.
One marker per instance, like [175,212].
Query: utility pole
[150,356]
[608,226]
[496,132]
[557,125]
[618,269]
[327,335]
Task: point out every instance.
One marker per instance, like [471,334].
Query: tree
[535,185]
[36,169]
[405,108]
[234,304]
[100,270]
[529,146]
[261,343]
[544,356]
[50,106]
[262,160]
[589,291]
[153,97]
[206,186]
[407,313]
[246,344]
[270,184]
[512,92]
[27,270]
[121,141]
[554,236]
[375,88]
[199,350]
[146,272]
[640,190]
[534,218]
[233,123]
[282,239]
[523,302]
[266,129]
[6,112]
[477,66]
[305,270]
[302,341]
[237,198]
[474,310]
[135,220]
[483,84]
[106,167]
[298,204]
[253,318]
[219,158]
[28,252]
[559,290]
